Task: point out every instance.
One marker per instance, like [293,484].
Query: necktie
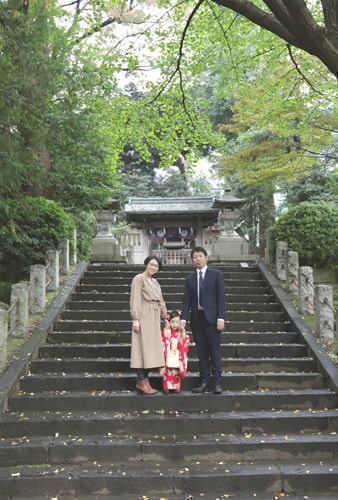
[200,288]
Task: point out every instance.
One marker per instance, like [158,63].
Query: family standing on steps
[204,300]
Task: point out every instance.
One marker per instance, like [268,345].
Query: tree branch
[302,74]
[178,65]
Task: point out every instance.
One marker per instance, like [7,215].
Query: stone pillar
[292,273]
[281,259]
[19,310]
[3,338]
[324,313]
[268,258]
[52,270]
[73,253]
[305,290]
[63,247]
[105,247]
[37,289]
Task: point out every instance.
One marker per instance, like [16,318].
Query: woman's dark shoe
[217,389]
[142,387]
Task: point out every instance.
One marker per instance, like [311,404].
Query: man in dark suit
[204,297]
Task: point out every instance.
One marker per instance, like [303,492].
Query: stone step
[155,481]
[114,306]
[124,338]
[167,268]
[185,401]
[117,352]
[171,450]
[235,365]
[124,297]
[121,382]
[124,326]
[173,289]
[167,283]
[174,274]
[118,315]
[151,423]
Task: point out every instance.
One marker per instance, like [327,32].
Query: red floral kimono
[172,376]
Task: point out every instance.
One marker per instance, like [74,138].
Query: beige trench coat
[147,305]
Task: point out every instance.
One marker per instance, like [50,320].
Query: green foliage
[32,226]
[86,229]
[311,230]
[317,186]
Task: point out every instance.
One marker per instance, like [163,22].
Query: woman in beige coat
[147,307]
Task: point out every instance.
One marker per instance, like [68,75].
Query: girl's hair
[151,257]
[174,314]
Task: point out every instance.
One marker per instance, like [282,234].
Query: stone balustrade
[311,298]
[31,299]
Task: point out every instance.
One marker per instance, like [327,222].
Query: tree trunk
[292,21]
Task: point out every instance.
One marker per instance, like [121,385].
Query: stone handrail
[311,298]
[31,299]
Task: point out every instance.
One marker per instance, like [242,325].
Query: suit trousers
[208,344]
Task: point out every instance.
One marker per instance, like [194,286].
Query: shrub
[32,226]
[311,230]
[86,229]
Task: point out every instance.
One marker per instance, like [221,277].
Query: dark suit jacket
[213,297]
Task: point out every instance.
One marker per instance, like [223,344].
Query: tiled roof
[169,205]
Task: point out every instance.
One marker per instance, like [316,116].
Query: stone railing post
[37,289]
[63,248]
[73,253]
[292,273]
[267,252]
[281,259]
[324,313]
[52,270]
[305,290]
[19,310]
[3,338]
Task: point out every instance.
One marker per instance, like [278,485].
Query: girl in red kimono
[176,345]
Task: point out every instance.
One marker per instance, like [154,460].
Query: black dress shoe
[201,388]
[217,389]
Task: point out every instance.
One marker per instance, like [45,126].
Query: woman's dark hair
[174,314]
[197,250]
[153,257]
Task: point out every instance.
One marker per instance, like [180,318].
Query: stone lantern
[105,247]
[230,245]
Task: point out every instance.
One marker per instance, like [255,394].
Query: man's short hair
[197,250]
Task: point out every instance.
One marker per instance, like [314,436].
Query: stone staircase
[77,428]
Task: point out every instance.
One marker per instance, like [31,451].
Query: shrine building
[170,227]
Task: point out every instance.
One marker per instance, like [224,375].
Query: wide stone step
[172,274]
[124,297]
[111,382]
[124,338]
[177,289]
[116,352]
[179,423]
[170,282]
[157,480]
[185,401]
[171,450]
[235,365]
[125,326]
[117,315]
[90,305]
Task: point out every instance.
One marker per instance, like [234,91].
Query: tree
[294,22]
